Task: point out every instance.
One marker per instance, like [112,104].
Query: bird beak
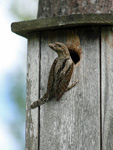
[52,46]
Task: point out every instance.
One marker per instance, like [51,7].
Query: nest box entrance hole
[75,56]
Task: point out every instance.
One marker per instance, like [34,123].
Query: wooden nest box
[83,118]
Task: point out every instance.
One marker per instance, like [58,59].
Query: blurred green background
[13,57]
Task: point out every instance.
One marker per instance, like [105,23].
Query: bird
[59,76]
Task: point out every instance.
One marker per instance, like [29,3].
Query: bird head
[60,48]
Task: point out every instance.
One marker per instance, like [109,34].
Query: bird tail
[41,101]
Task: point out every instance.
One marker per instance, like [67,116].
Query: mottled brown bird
[59,76]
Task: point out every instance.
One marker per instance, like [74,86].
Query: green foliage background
[19,10]
[24,10]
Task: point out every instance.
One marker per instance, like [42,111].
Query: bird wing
[51,79]
[63,78]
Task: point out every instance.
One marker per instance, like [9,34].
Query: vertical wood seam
[100,40]
[39,90]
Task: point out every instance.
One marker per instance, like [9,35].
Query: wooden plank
[73,123]
[24,28]
[107,88]
[32,93]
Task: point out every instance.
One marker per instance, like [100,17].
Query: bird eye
[59,45]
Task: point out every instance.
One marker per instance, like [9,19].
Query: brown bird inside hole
[59,76]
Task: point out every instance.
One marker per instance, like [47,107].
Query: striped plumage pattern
[59,76]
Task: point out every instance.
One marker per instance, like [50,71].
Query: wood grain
[32,93]
[107,88]
[72,123]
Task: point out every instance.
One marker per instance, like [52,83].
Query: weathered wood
[68,7]
[25,27]
[107,88]
[32,93]
[73,123]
